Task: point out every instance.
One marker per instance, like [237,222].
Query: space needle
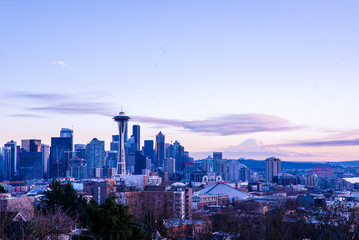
[122,120]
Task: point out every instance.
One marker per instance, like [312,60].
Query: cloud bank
[227,124]
[53,103]
[224,125]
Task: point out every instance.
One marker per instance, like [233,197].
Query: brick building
[173,201]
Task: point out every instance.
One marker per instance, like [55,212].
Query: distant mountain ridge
[260,164]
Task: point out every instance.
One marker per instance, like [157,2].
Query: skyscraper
[160,149]
[148,149]
[30,160]
[122,120]
[136,135]
[66,132]
[273,168]
[179,156]
[45,150]
[60,154]
[11,159]
[31,145]
[95,156]
[115,142]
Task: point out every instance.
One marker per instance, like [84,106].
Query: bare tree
[338,221]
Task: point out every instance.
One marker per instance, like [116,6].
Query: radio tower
[122,120]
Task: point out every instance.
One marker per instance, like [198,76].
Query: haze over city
[250,79]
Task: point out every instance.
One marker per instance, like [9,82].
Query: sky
[252,79]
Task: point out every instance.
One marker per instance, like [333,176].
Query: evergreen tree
[68,200]
[112,221]
[2,189]
[56,195]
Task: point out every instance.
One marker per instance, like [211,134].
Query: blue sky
[210,74]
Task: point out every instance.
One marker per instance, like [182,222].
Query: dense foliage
[2,189]
[109,220]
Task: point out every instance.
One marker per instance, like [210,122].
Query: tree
[112,221]
[56,195]
[2,189]
[68,200]
[331,222]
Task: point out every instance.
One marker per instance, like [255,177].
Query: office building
[30,160]
[95,156]
[148,149]
[31,145]
[80,151]
[11,154]
[217,155]
[45,150]
[114,143]
[140,163]
[60,154]
[136,135]
[66,133]
[179,156]
[160,150]
[272,168]
[78,168]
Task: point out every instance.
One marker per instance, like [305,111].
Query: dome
[178,184]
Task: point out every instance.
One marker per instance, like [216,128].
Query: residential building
[272,168]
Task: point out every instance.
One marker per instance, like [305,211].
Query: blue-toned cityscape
[190,196]
[179,120]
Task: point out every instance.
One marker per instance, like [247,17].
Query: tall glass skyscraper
[160,149]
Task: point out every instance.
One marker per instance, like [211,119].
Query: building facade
[272,168]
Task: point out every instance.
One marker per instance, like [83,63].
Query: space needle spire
[122,120]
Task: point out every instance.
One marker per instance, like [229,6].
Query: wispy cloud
[61,64]
[234,124]
[98,108]
[26,116]
[44,103]
[227,124]
[37,96]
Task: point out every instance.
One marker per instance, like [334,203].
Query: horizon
[254,79]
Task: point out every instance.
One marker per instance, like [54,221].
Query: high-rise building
[160,150]
[122,120]
[11,159]
[222,167]
[30,160]
[95,156]
[114,143]
[179,156]
[6,163]
[131,155]
[60,154]
[272,169]
[66,132]
[31,145]
[238,172]
[217,155]
[136,135]
[45,150]
[140,162]
[80,151]
[148,149]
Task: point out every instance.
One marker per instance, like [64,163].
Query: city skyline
[210,74]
